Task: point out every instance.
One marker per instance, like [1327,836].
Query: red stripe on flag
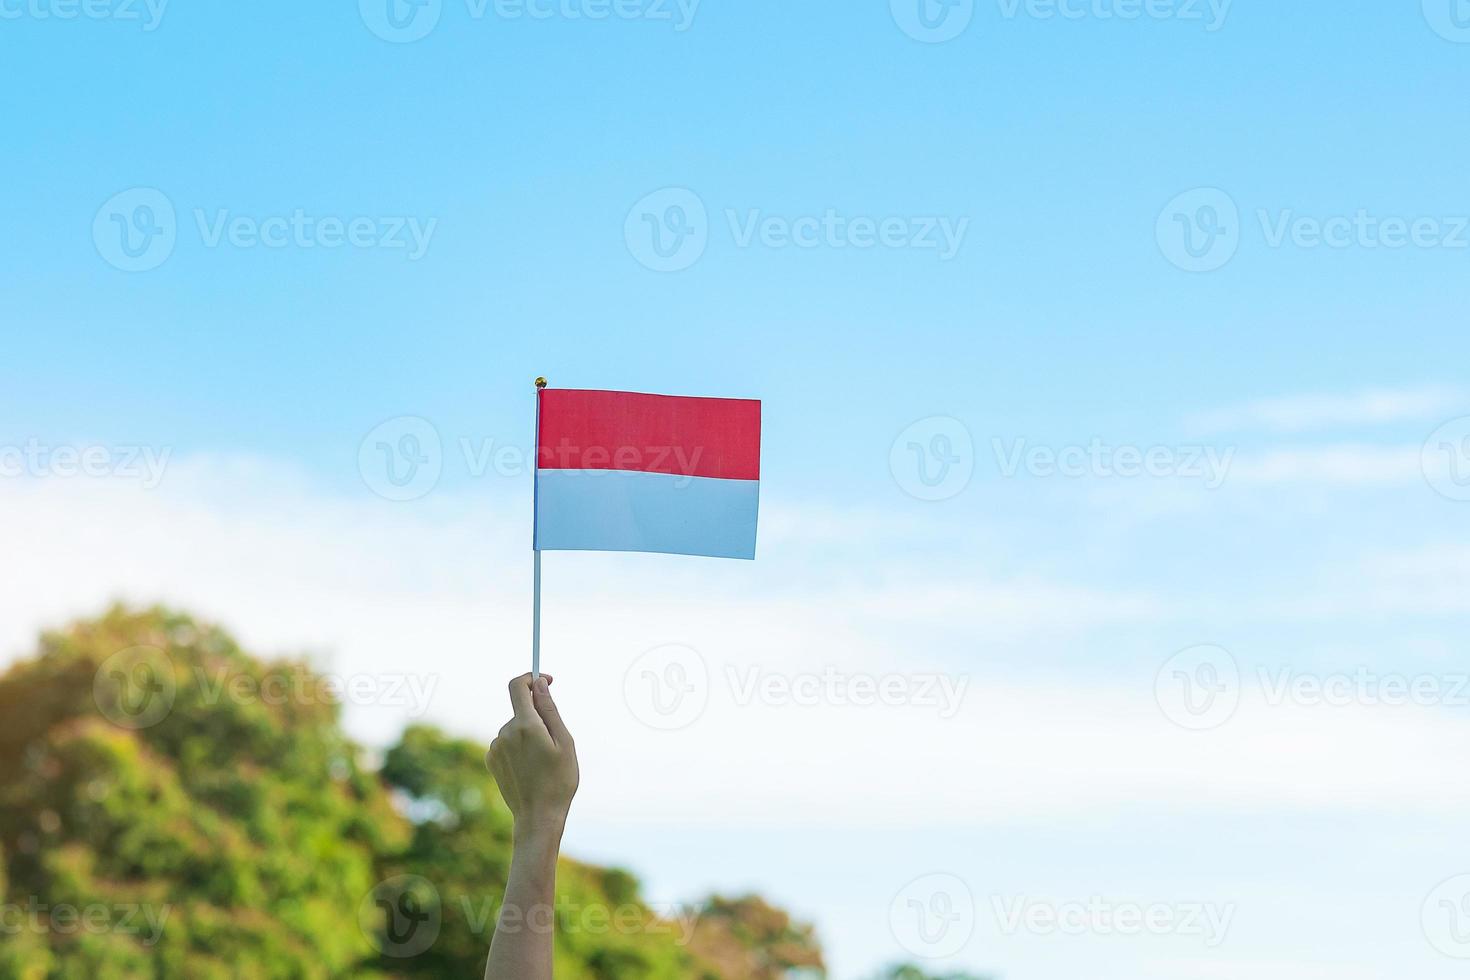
[624,430]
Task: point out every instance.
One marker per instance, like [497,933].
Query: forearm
[534,760]
[521,947]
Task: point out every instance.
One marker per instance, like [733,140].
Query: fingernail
[541,687]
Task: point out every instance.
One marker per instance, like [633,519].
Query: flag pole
[536,613]
[535,551]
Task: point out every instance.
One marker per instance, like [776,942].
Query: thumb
[546,708]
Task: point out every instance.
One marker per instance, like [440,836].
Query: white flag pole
[536,614]
[535,551]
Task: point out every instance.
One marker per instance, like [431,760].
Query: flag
[623,471]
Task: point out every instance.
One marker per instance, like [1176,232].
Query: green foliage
[911,972]
[243,821]
[746,937]
[173,807]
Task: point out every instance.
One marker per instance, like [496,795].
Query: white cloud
[1020,753]
[1003,609]
[1311,412]
[441,588]
[1427,581]
[1348,464]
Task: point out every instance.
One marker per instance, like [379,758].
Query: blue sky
[1066,155]
[530,140]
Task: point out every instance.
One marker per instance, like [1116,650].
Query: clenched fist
[534,760]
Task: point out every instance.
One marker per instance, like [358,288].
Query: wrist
[539,830]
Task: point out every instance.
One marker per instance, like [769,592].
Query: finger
[546,708]
[520,698]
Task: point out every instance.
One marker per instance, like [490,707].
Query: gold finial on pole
[540,382]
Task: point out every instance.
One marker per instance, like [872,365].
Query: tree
[908,971]
[172,806]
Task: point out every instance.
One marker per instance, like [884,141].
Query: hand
[534,760]
[535,764]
